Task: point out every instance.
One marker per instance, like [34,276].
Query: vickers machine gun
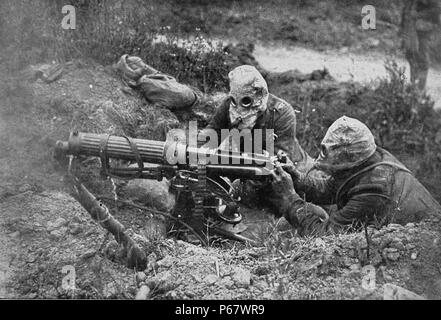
[204,198]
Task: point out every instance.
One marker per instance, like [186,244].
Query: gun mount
[200,186]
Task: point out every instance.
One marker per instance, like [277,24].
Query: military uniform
[367,184]
[279,116]
[271,112]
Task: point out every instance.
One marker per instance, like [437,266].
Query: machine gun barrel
[230,164]
[91,144]
[152,151]
[196,173]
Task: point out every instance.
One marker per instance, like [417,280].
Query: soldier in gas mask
[367,184]
[249,105]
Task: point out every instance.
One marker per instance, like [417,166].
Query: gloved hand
[284,193]
[288,165]
[312,209]
[282,182]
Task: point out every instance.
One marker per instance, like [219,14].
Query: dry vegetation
[90,97]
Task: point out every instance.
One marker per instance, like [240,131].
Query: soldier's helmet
[347,144]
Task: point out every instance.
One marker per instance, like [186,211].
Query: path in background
[342,65]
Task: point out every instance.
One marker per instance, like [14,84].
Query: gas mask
[248,96]
[347,144]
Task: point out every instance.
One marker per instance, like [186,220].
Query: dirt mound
[333,267]
[87,97]
[50,231]
[100,101]
[46,231]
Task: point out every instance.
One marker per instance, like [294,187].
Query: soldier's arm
[315,186]
[288,201]
[285,134]
[362,208]
[311,184]
[218,121]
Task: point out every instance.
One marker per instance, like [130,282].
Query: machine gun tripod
[204,193]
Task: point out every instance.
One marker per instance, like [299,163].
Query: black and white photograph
[220,155]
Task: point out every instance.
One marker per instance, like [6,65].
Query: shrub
[32,33]
[401,118]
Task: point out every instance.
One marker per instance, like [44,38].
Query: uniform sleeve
[218,121]
[315,187]
[220,117]
[285,131]
[362,207]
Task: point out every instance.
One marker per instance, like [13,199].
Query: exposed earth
[43,229]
